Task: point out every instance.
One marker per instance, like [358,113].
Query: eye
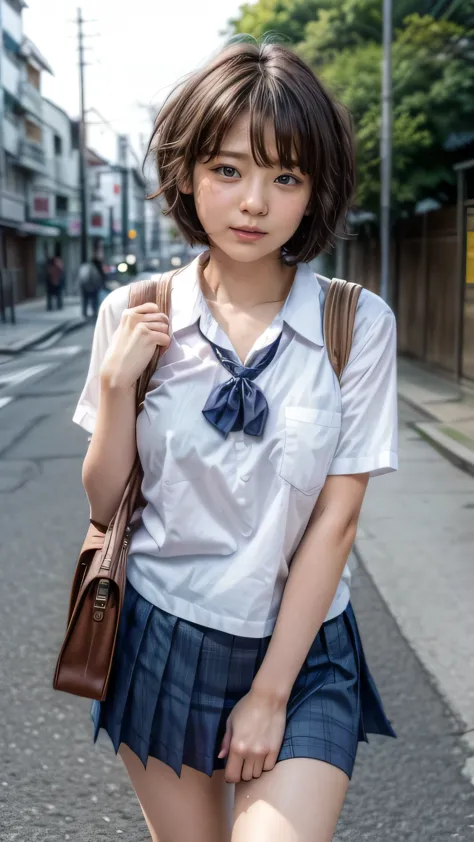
[295,180]
[227,172]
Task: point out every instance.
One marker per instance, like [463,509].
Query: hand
[253,737]
[133,344]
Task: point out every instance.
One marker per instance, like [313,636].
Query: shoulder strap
[141,292]
[339,317]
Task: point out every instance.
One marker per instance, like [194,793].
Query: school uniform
[234,458]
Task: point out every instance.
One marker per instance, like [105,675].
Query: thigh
[192,808]
[298,801]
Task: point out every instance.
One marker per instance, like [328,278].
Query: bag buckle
[101,597]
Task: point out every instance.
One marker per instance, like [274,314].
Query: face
[233,193]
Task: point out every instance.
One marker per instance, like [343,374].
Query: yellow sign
[132,234]
[470,258]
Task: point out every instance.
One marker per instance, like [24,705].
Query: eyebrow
[229,154]
[243,156]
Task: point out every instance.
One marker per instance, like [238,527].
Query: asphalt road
[54,784]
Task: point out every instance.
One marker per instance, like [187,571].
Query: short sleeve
[108,320]
[368,442]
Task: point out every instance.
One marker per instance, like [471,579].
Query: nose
[254,201]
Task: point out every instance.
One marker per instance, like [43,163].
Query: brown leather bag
[85,659]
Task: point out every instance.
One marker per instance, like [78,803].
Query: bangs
[278,91]
[267,104]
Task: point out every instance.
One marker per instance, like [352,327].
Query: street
[55,785]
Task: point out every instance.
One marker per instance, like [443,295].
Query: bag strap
[339,318]
[140,292]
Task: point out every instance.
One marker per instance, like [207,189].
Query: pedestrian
[91,281]
[238,658]
[54,282]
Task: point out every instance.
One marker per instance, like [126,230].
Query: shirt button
[240,445]
[240,501]
[245,478]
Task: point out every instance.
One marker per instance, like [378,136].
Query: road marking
[16,377]
[49,346]
[5,402]
[66,351]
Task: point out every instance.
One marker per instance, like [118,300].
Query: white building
[22,150]
[53,194]
[39,177]
[117,207]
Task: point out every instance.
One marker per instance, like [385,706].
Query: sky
[137,51]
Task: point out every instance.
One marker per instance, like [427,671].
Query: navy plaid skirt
[174,683]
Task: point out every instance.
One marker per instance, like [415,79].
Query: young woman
[238,658]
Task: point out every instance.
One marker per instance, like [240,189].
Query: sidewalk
[34,323]
[415,539]
[449,408]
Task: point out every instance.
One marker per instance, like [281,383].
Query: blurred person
[92,285]
[238,657]
[54,282]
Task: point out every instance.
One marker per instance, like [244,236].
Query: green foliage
[288,18]
[433,80]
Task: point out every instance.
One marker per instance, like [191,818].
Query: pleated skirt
[174,683]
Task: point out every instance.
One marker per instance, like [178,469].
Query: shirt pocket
[310,441]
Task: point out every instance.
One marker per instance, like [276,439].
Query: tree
[288,18]
[433,84]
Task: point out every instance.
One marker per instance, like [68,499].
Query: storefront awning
[39,230]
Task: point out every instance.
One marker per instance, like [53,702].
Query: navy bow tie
[239,404]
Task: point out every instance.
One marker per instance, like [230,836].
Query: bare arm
[112,451]
[113,448]
[312,582]
[256,725]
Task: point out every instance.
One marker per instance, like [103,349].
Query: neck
[227,281]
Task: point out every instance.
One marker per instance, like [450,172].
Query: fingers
[270,761]
[248,769]
[144,313]
[258,767]
[156,333]
[226,741]
[148,307]
[244,766]
[233,767]
[162,318]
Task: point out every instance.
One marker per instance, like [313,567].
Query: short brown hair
[270,83]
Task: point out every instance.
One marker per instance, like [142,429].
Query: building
[53,195]
[40,198]
[116,208]
[22,150]
[39,176]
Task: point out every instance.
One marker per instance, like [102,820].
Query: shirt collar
[187,300]
[301,311]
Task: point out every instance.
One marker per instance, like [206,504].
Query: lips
[248,235]
[250,230]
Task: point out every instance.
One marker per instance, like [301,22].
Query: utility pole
[82,145]
[386,152]
[123,161]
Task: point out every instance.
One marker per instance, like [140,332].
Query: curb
[457,453]
[40,336]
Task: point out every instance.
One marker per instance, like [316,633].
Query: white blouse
[224,516]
